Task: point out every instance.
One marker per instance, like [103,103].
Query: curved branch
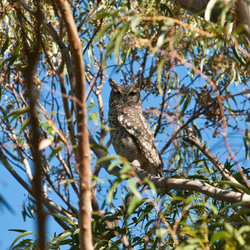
[66,107]
[83,160]
[194,185]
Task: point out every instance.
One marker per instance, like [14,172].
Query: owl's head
[128,95]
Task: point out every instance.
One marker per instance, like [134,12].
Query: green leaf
[244,229]
[23,234]
[239,238]
[160,41]
[219,235]
[189,200]
[151,185]
[133,188]
[133,204]
[135,22]
[161,232]
[203,60]
[246,140]
[107,158]
[236,185]
[98,147]
[103,31]
[112,190]
[97,178]
[125,168]
[187,99]
[94,117]
[16,113]
[64,235]
[24,125]
[159,72]
[14,56]
[76,232]
[55,151]
[114,164]
[67,220]
[92,105]
[5,45]
[119,40]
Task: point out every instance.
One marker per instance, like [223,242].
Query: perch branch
[176,183]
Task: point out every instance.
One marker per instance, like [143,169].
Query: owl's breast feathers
[135,123]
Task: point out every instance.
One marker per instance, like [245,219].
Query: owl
[130,133]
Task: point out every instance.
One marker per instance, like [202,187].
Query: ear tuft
[113,83]
[138,81]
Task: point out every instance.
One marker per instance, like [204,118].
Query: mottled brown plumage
[130,133]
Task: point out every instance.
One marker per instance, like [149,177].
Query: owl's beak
[125,99]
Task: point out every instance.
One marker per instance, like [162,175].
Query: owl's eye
[133,93]
[117,93]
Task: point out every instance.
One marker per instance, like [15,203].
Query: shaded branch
[66,107]
[89,14]
[32,54]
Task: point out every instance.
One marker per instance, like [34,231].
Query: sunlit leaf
[45,143]
[94,117]
[133,204]
[133,188]
[16,113]
[23,234]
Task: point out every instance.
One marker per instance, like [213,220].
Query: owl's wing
[135,123]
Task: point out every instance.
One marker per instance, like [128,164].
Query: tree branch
[193,185]
[190,138]
[32,55]
[83,147]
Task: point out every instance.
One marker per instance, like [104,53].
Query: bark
[83,158]
[193,185]
[32,55]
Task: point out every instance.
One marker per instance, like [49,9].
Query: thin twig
[88,15]
[190,138]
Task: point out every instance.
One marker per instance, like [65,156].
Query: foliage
[195,74]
